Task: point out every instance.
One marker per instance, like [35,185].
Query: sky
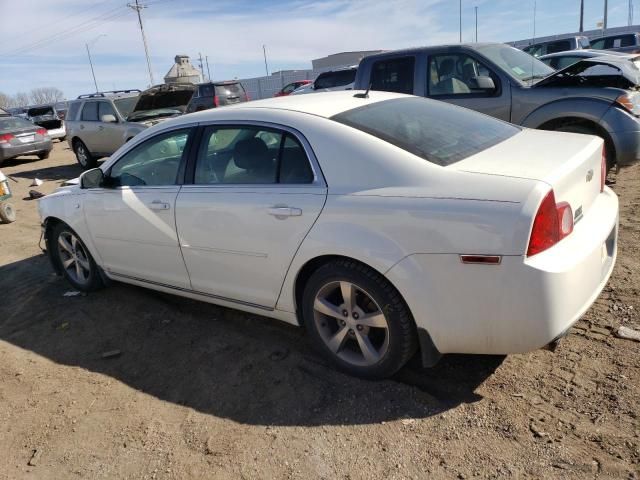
[42,42]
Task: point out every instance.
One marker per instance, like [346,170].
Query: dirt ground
[198,391]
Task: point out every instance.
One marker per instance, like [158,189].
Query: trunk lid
[569,163]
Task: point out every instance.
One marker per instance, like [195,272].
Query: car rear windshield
[335,79]
[229,89]
[14,123]
[438,132]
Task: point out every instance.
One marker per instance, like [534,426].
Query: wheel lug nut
[345,313]
[343,323]
[355,315]
[351,332]
[359,327]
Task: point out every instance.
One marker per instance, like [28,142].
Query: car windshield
[125,105]
[14,123]
[519,64]
[435,131]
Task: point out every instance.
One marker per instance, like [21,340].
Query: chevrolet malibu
[385,224]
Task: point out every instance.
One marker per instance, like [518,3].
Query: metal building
[341,59]
[182,71]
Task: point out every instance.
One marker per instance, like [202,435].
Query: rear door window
[598,44]
[90,112]
[395,75]
[105,108]
[435,131]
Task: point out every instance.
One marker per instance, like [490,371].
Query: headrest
[251,154]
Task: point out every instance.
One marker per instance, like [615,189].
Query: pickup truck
[594,96]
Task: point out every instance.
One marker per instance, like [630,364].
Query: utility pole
[208,71]
[266,67]
[137,7]
[476,24]
[201,67]
[93,73]
[460,11]
[581,16]
[91,64]
[606,9]
[630,20]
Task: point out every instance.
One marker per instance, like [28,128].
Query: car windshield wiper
[534,77]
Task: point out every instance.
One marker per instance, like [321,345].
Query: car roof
[417,50]
[587,53]
[324,104]
[616,35]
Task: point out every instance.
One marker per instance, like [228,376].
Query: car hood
[605,71]
[172,96]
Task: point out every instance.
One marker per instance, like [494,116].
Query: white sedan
[383,223]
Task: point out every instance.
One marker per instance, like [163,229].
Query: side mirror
[93,178]
[485,83]
[108,119]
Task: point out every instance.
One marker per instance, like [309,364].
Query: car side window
[395,75]
[105,108]
[458,74]
[153,163]
[289,88]
[598,44]
[250,155]
[90,112]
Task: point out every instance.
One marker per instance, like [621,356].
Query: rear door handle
[158,205]
[285,211]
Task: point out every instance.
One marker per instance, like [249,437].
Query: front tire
[7,213]
[358,320]
[73,259]
[83,156]
[43,155]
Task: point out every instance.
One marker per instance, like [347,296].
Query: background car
[333,80]
[290,87]
[445,228]
[216,94]
[561,60]
[20,137]
[46,116]
[561,45]
[596,96]
[100,123]
[626,43]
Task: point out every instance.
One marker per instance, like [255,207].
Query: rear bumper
[57,132]
[520,305]
[12,151]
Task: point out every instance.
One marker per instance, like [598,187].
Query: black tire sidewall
[401,339]
[95,280]
[91,162]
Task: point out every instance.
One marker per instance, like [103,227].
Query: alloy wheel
[74,258]
[81,153]
[351,324]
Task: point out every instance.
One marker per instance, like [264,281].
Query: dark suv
[216,94]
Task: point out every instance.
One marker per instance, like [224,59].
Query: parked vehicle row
[20,137]
[624,43]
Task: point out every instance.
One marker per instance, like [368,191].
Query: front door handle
[158,205]
[285,211]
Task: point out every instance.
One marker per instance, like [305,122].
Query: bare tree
[21,99]
[5,100]
[46,95]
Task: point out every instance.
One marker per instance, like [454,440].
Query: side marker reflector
[481,259]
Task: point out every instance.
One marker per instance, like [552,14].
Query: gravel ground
[191,390]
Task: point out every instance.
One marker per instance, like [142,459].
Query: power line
[82,27]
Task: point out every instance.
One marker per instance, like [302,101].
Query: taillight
[552,223]
[603,171]
[6,138]
[216,101]
[41,131]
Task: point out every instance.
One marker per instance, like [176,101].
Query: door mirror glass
[108,118]
[93,178]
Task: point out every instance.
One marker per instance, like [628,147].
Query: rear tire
[43,155]
[358,320]
[577,128]
[83,155]
[73,259]
[7,213]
